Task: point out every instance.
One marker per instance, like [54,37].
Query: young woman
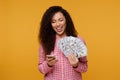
[56,23]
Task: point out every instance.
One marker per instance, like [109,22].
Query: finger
[52,62]
[74,58]
[50,59]
[71,57]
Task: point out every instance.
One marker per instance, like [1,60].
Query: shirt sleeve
[42,65]
[82,65]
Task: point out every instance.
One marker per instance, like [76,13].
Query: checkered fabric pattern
[62,70]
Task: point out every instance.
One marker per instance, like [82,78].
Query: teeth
[59,28]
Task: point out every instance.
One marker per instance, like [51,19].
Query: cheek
[53,25]
[64,23]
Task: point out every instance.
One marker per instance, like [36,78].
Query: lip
[59,29]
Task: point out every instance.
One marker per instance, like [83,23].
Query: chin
[59,33]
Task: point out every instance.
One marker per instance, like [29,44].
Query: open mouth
[59,29]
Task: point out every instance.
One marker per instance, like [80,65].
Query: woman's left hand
[73,60]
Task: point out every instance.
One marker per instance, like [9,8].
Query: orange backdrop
[97,21]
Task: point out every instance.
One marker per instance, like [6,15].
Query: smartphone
[50,56]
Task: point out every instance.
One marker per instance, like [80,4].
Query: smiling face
[59,24]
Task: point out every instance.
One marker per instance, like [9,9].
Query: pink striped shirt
[62,70]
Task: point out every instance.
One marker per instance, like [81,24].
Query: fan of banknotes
[73,45]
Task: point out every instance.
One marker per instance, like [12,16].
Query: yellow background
[97,21]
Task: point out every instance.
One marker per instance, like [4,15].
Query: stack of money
[73,45]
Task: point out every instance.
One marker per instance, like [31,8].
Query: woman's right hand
[51,60]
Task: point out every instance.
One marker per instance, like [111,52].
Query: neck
[61,36]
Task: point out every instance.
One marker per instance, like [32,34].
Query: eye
[61,19]
[53,22]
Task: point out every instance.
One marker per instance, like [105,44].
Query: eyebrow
[58,18]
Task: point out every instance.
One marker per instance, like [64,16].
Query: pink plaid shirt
[62,70]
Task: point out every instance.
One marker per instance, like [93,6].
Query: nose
[57,23]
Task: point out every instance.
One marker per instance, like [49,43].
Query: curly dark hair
[47,35]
